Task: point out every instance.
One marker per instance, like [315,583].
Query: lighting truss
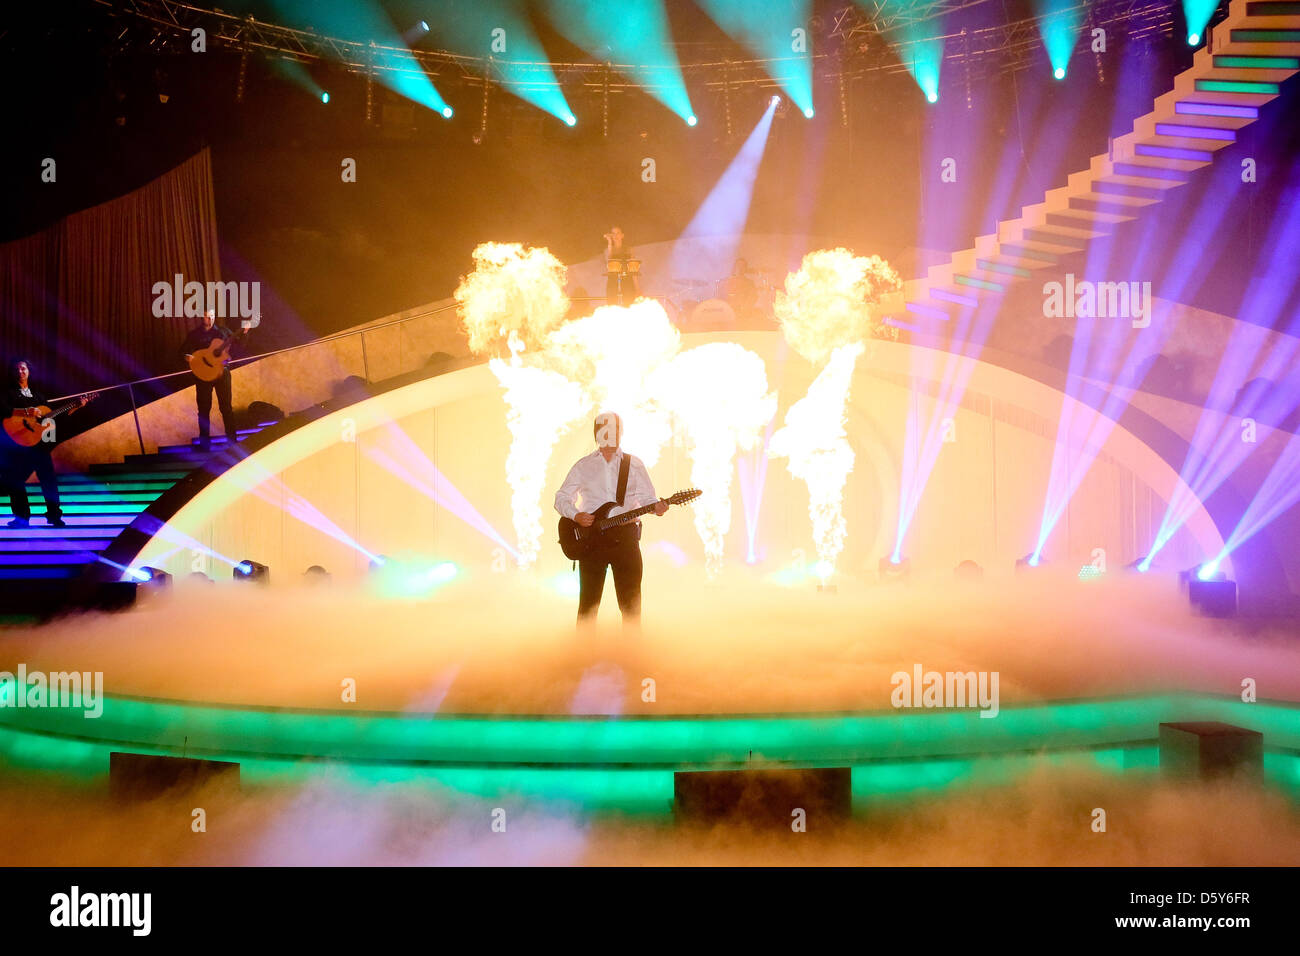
[870,33]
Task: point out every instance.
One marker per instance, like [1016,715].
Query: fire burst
[612,353]
[543,404]
[515,298]
[515,294]
[718,392]
[826,311]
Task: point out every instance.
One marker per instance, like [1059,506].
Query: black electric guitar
[577,542]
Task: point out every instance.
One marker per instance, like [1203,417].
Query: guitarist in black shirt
[197,341]
[17,462]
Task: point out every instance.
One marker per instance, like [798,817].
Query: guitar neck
[627,516]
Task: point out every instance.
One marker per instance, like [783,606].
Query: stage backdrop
[76,299]
[420,472]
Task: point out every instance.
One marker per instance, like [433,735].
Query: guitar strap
[624,466]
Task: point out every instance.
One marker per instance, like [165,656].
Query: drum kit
[717,303]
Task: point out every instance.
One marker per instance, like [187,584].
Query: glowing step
[929,311]
[1006,268]
[1238,86]
[1173,152]
[957,298]
[1230,62]
[976,283]
[1233,110]
[1183,131]
[1266,36]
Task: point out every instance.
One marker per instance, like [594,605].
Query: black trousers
[624,559]
[203,396]
[18,463]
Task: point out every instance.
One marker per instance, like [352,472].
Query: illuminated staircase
[38,563]
[1255,49]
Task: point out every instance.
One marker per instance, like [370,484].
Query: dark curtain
[76,299]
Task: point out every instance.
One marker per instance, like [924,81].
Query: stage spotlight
[155,579]
[247,570]
[415,32]
[1193,39]
[808,112]
[691,120]
[570,120]
[1141,565]
[895,569]
[324,97]
[1029,562]
[968,571]
[932,97]
[1209,571]
[446,112]
[377,562]
[1059,73]
[774,101]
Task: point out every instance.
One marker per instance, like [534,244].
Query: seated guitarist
[202,337]
[591,482]
[20,397]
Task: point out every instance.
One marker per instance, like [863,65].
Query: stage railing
[403,365]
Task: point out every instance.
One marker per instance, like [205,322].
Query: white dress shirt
[592,481]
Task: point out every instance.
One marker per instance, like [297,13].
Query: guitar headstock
[683,496]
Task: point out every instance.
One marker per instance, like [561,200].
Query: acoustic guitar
[27,431]
[577,542]
[210,363]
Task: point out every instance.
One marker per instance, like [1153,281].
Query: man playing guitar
[592,481]
[21,399]
[212,342]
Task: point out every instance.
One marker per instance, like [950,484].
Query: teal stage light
[1059,28]
[691,120]
[777,32]
[808,112]
[923,58]
[364,21]
[447,112]
[1197,13]
[634,37]
[325,98]
[570,120]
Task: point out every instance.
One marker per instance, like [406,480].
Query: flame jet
[826,312]
[512,301]
[718,393]
[612,353]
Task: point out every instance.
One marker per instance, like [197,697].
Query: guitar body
[209,364]
[578,542]
[26,431]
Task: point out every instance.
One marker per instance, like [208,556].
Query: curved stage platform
[627,765]
[730,675]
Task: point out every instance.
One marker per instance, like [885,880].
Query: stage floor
[484,689]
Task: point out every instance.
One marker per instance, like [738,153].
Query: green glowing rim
[626,764]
